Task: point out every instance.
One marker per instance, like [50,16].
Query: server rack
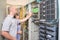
[48,20]
[59,19]
[48,10]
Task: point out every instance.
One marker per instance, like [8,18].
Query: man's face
[14,10]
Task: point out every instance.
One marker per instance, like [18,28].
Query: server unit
[48,28]
[48,10]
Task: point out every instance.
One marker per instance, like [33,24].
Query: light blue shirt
[10,25]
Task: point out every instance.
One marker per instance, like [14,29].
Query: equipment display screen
[35,10]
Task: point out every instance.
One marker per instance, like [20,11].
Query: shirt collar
[10,15]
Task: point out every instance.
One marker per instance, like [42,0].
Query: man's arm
[7,35]
[27,17]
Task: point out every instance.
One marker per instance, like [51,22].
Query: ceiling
[19,2]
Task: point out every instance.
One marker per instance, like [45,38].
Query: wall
[2,12]
[20,2]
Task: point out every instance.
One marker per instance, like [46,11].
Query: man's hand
[13,38]
[20,32]
[27,17]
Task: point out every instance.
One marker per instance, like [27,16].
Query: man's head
[13,10]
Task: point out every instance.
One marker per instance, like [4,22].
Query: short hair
[10,7]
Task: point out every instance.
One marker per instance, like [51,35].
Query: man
[9,28]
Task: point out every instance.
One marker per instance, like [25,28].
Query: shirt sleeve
[6,24]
